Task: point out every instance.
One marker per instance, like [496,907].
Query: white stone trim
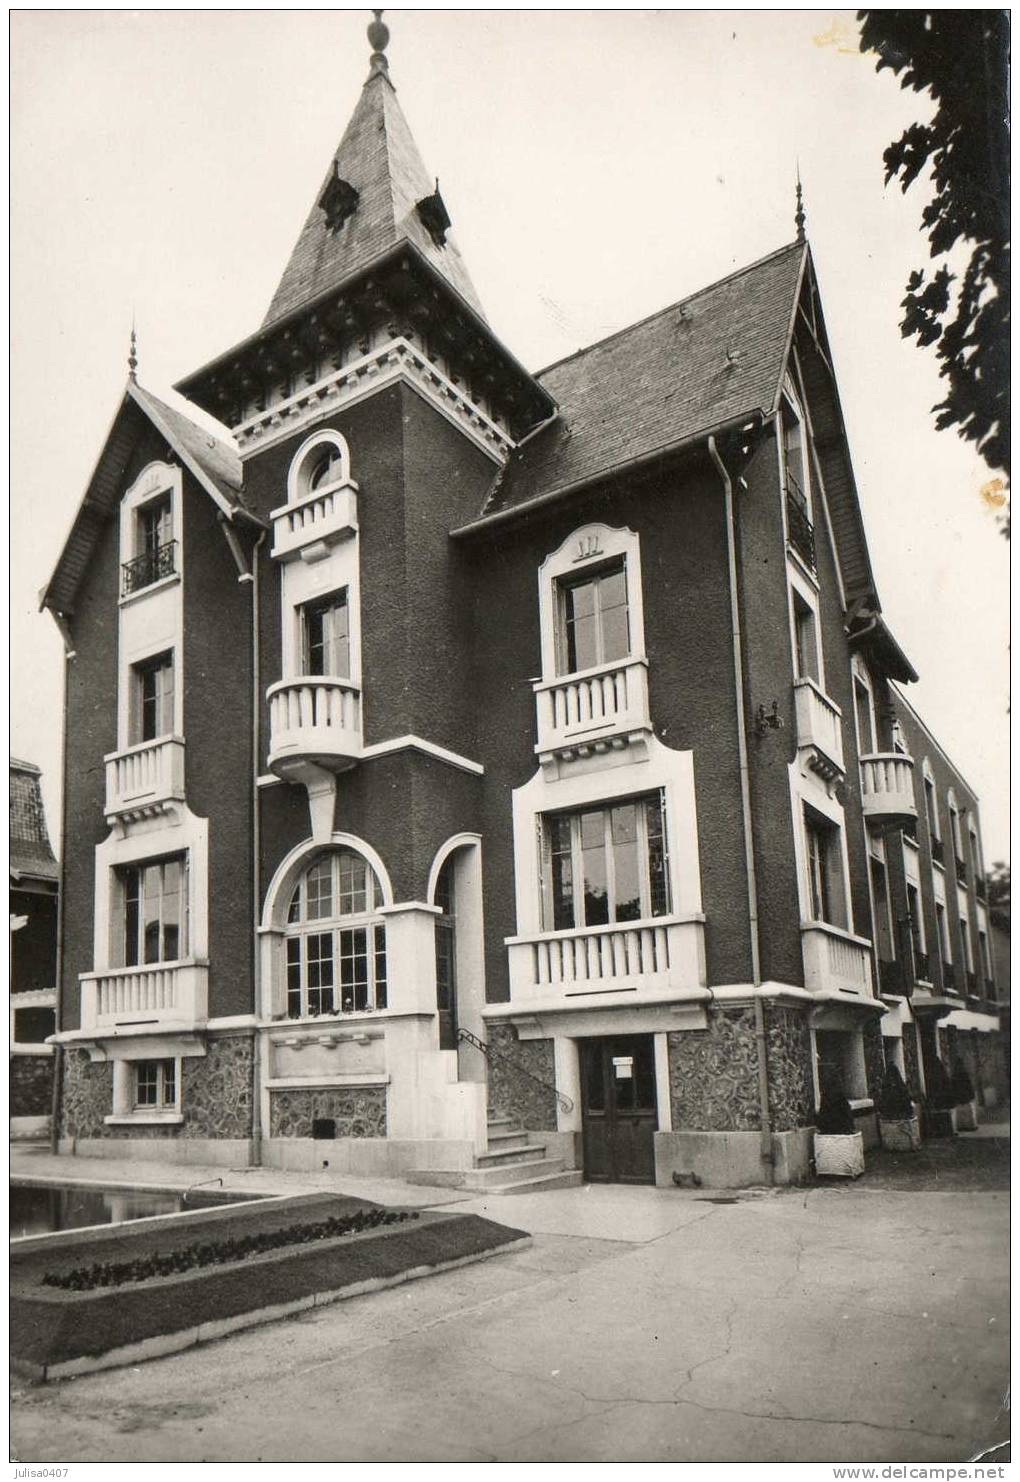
[457,841]
[182,833]
[590,545]
[397,360]
[430,748]
[663,1099]
[151,620]
[326,437]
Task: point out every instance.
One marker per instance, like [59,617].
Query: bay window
[605,864]
[335,943]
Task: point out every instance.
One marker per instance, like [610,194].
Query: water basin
[41,1209]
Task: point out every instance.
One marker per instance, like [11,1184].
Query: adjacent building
[34,880]
[494,777]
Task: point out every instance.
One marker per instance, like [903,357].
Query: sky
[597,165]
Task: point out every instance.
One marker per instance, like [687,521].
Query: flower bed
[58,1329]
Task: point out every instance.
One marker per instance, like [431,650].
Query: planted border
[220,1252]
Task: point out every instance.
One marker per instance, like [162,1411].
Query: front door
[618,1110]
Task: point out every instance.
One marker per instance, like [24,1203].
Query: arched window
[446,956]
[336,943]
[321,464]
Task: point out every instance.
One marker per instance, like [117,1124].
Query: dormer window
[154,545]
[434,216]
[338,201]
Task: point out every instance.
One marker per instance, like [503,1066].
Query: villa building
[492,777]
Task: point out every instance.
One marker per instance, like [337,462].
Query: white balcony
[887,789]
[309,526]
[592,711]
[835,961]
[819,729]
[653,957]
[144,779]
[161,996]
[314,723]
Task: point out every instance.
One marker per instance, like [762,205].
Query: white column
[411,958]
[663,1100]
[567,1063]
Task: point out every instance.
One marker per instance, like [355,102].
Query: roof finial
[799,218]
[133,353]
[378,37]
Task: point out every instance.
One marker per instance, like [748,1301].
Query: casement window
[884,937]
[605,864]
[942,928]
[931,808]
[955,831]
[330,467]
[986,956]
[865,712]
[796,483]
[151,919]
[915,922]
[155,1085]
[153,698]
[326,636]
[154,545]
[968,948]
[805,638]
[594,618]
[335,941]
[826,884]
[975,852]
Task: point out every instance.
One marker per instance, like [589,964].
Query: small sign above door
[623,1066]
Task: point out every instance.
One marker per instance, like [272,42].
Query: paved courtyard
[851,1323]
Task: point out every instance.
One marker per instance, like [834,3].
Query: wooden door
[618,1109]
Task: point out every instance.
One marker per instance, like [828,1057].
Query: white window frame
[955,830]
[586,549]
[877,853]
[370,921]
[809,596]
[577,863]
[835,862]
[793,402]
[931,814]
[307,457]
[161,1104]
[118,916]
[135,697]
[859,676]
[157,481]
[301,642]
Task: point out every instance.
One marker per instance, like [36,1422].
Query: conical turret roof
[377,170]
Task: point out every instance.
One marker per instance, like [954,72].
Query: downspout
[58,1049]
[256,847]
[250,576]
[745,808]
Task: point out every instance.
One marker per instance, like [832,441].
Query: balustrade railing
[800,529]
[651,956]
[590,708]
[819,728]
[143,778]
[153,995]
[318,719]
[325,514]
[492,1054]
[835,960]
[150,566]
[887,788]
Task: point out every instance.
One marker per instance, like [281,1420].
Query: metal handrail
[151,566]
[491,1054]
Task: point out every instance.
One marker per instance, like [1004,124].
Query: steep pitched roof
[31,853]
[709,360]
[212,460]
[379,159]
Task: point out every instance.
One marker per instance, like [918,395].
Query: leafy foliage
[997,881]
[963,1086]
[894,1104]
[959,58]
[220,1252]
[940,1089]
[834,1117]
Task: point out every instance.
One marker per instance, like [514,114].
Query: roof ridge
[668,308]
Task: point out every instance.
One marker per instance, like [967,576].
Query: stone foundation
[358,1112]
[517,1096]
[732,1160]
[31,1085]
[713,1072]
[223,1152]
[215,1097]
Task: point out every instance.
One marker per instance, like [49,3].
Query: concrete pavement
[642,1325]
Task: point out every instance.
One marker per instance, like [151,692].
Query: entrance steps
[511,1164]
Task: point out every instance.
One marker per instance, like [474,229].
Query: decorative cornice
[397,360]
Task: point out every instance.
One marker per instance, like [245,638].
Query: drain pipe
[745,808]
[256,846]
[57,1094]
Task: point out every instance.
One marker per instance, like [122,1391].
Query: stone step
[500,1141]
[503,1124]
[501,1156]
[502,1175]
[498,1178]
[567,1178]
